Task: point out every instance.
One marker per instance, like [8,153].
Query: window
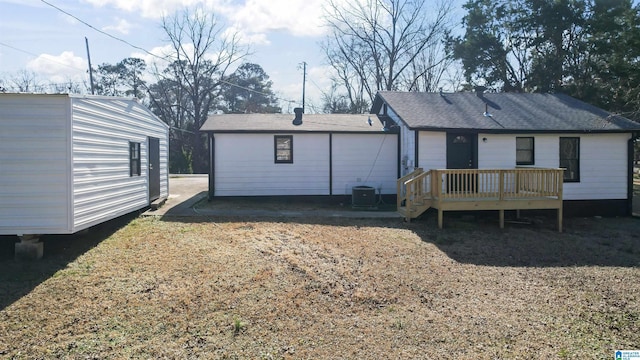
[570,158]
[283,149]
[134,159]
[524,151]
[460,139]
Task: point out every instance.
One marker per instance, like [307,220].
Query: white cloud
[148,8]
[254,17]
[300,18]
[246,38]
[59,68]
[122,26]
[159,53]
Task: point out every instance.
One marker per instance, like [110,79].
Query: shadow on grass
[477,239]
[18,278]
[284,203]
[535,242]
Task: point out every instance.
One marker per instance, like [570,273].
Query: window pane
[283,144]
[568,149]
[460,139]
[524,143]
[524,151]
[523,157]
[134,168]
[283,155]
[283,148]
[134,159]
[570,158]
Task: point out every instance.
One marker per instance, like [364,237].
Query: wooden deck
[480,189]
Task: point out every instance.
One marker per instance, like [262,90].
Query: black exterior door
[462,149]
[154,168]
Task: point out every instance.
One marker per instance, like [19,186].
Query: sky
[36,37]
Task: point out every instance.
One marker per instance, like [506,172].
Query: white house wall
[245,166]
[603,159]
[407,145]
[498,151]
[34,168]
[102,186]
[432,152]
[603,164]
[364,159]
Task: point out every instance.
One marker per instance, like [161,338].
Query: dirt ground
[225,288]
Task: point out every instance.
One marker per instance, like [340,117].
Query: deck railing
[497,184]
[481,189]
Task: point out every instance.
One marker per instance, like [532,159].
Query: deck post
[440,218]
[560,219]
[501,212]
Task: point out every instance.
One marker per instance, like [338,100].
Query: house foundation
[29,248]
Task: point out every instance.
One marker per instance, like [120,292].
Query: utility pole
[86,41]
[304,82]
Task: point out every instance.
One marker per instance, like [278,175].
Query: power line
[154,55]
[100,31]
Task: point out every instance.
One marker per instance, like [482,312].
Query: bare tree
[386,44]
[202,55]
[24,81]
[68,87]
[428,72]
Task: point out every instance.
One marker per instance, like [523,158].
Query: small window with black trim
[283,149]
[525,151]
[570,158]
[134,159]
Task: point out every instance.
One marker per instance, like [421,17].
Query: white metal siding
[498,152]
[603,164]
[365,159]
[432,153]
[603,159]
[34,172]
[102,186]
[407,145]
[245,166]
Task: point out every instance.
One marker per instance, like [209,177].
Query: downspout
[212,166]
[330,164]
[399,162]
[416,149]
[630,166]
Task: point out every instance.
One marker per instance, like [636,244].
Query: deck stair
[414,195]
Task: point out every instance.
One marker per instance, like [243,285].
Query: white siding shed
[66,161]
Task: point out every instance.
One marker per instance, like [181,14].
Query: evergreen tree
[248,90]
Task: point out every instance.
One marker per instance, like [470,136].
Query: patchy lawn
[337,289]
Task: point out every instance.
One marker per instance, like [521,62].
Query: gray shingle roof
[508,112]
[283,123]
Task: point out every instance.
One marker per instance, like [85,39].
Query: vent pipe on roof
[298,119]
[486,110]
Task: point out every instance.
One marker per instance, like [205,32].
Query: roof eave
[526,131]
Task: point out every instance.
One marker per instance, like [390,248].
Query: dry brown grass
[335,289]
